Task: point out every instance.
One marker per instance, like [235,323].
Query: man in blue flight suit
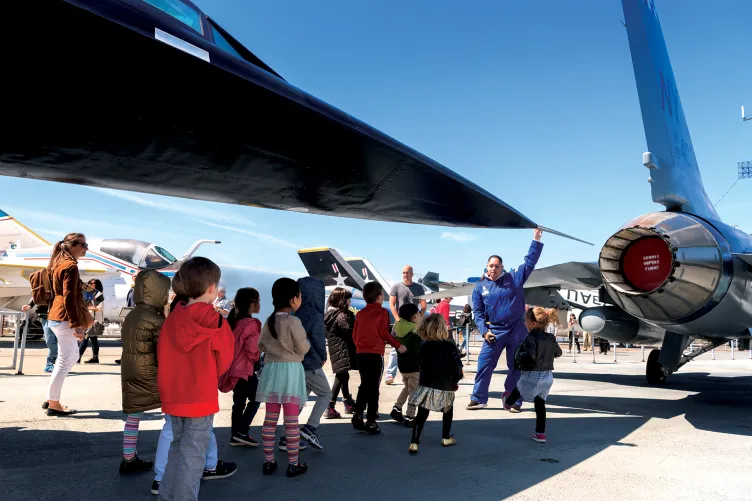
[499,308]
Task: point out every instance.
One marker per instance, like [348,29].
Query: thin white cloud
[167,204]
[460,237]
[272,271]
[255,234]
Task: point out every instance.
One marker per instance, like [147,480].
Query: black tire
[654,370]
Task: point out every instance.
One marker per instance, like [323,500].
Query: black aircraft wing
[571,275]
[119,94]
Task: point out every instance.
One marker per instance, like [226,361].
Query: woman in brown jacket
[68,317]
[139,363]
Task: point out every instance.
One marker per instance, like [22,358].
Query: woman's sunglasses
[82,244]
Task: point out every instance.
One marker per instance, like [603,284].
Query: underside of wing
[571,275]
[464,290]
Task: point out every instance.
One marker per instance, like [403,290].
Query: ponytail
[284,290]
[244,298]
[62,250]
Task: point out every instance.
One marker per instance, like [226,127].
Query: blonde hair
[541,317]
[433,328]
[62,249]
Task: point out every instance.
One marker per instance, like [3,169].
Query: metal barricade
[19,335]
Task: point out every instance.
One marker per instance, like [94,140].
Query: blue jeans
[188,450]
[391,371]
[489,358]
[163,450]
[51,341]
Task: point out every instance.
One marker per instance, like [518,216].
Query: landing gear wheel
[654,370]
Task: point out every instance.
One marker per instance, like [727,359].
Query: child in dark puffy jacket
[440,371]
[311,315]
[339,322]
[535,359]
[404,330]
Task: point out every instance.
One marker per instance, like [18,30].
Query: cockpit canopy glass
[180,11]
[138,253]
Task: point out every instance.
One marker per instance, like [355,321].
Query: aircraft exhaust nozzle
[666,267]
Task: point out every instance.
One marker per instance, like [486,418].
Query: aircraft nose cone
[592,321]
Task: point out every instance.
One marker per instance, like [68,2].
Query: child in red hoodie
[195,348]
[371,334]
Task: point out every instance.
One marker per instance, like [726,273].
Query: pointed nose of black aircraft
[154,96]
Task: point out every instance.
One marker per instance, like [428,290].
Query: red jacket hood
[194,324]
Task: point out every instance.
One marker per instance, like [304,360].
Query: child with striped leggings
[282,385]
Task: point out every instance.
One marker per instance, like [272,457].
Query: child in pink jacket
[242,378]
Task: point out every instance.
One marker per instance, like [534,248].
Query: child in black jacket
[535,358]
[440,371]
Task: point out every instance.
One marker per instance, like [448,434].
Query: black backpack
[522,360]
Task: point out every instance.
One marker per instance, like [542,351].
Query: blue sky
[534,101]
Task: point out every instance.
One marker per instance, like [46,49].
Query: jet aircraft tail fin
[14,235]
[329,266]
[674,175]
[369,273]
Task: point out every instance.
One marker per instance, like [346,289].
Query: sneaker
[504,401]
[309,435]
[49,368]
[409,422]
[269,467]
[474,406]
[293,470]
[283,444]
[357,422]
[242,439]
[331,413]
[155,487]
[224,469]
[448,442]
[135,465]
[396,414]
[539,437]
[92,360]
[413,448]
[515,409]
[389,381]
[349,406]
[372,428]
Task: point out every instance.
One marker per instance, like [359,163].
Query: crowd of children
[177,354]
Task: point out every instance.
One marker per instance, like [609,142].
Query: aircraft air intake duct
[667,267]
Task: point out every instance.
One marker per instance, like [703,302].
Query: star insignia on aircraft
[340,280]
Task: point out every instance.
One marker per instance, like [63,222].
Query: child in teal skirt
[282,383]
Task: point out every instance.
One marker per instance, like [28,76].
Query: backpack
[522,359]
[41,288]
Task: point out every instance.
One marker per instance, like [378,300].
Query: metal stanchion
[16,337]
[712,352]
[732,350]
[592,348]
[614,352]
[574,349]
[467,340]
[643,353]
[23,344]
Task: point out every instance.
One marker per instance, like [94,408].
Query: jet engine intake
[666,267]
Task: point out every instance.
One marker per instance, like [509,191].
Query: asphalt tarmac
[610,436]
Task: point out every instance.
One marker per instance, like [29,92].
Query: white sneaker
[474,406]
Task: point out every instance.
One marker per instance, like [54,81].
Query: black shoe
[357,422]
[293,470]
[117,361]
[155,487]
[409,422]
[396,414]
[243,440]
[92,360]
[135,465]
[269,467]
[372,428]
[45,405]
[224,469]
